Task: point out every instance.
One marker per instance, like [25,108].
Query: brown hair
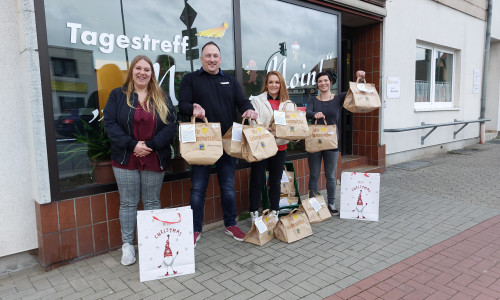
[283,92]
[155,95]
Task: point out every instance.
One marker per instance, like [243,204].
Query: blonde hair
[283,91]
[155,95]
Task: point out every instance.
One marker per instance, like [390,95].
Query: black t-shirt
[331,109]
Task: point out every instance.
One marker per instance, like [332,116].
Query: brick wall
[367,57]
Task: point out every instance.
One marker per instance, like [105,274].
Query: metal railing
[434,126]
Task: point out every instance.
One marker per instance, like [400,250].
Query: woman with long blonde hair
[141,123]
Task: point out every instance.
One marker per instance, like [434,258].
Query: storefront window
[310,37]
[296,41]
[90,44]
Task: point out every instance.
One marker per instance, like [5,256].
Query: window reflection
[311,46]
[90,43]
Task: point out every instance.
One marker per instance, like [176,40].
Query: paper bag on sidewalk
[165,239]
[200,143]
[288,183]
[359,196]
[316,209]
[361,97]
[293,227]
[262,230]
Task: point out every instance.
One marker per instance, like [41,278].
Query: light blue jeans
[131,185]
[330,158]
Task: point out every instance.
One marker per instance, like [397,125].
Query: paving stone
[246,294]
[12,293]
[140,294]
[79,284]
[98,284]
[63,286]
[41,284]
[91,296]
[59,294]
[120,295]
[21,284]
[117,285]
[40,294]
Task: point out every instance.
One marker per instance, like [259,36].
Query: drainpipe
[482,126]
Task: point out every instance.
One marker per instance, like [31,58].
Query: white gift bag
[165,239]
[359,196]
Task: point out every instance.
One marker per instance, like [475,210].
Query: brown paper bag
[286,200]
[258,143]
[316,209]
[232,143]
[288,188]
[260,237]
[361,97]
[296,127]
[321,137]
[293,227]
[207,148]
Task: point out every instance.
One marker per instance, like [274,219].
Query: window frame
[432,104]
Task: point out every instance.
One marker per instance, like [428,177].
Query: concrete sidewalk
[422,206]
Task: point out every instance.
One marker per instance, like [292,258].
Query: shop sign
[107,41]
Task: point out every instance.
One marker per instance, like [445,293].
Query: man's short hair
[210,43]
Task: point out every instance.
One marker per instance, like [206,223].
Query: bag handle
[266,212]
[314,193]
[193,119]
[249,121]
[283,107]
[358,78]
[167,222]
[316,121]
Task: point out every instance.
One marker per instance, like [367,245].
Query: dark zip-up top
[218,94]
[119,121]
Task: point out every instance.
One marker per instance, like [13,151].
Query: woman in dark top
[326,106]
[140,122]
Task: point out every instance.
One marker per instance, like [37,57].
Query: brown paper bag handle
[249,122]
[193,119]
[314,193]
[266,212]
[316,121]
[358,78]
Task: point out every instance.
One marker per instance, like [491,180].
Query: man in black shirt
[209,93]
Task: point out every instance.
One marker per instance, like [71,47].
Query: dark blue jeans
[199,180]
[258,179]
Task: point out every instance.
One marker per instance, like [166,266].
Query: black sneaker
[333,210]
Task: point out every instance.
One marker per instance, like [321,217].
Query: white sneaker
[275,214]
[128,254]
[254,215]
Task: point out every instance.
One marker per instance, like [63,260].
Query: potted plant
[93,139]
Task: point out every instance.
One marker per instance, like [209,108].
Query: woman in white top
[274,97]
